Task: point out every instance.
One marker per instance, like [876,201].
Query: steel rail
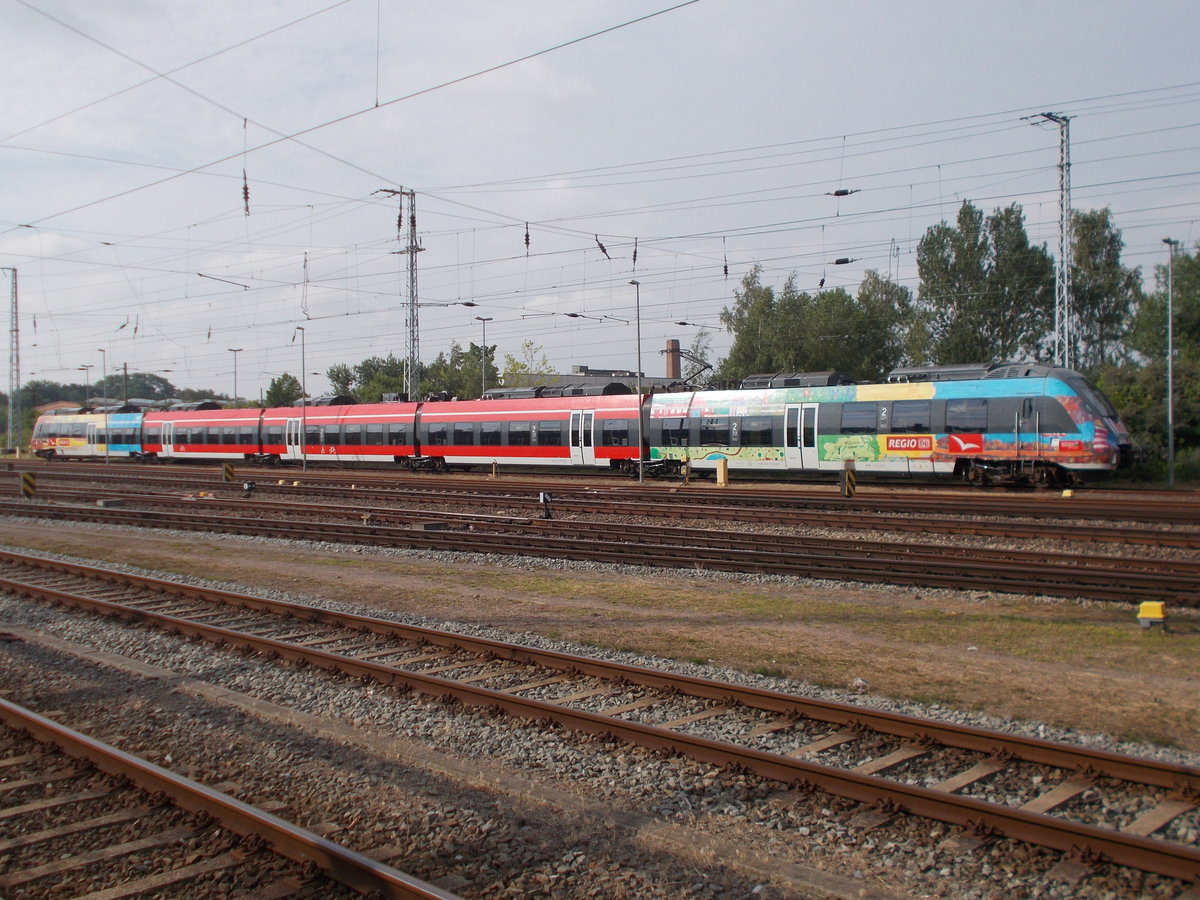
[361,873]
[877,566]
[979,817]
[845,520]
[1028,749]
[1172,509]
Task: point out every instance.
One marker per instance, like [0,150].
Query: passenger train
[1008,422]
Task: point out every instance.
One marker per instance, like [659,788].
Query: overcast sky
[712,133]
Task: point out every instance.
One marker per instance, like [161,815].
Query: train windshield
[1092,396]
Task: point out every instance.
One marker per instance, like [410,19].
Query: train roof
[970,372]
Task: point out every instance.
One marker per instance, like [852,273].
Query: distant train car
[87,434]
[367,432]
[1006,422]
[202,434]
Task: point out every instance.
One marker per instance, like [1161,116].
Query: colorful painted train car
[1011,422]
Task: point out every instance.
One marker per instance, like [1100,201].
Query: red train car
[596,431]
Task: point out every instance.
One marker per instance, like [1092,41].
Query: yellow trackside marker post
[28,485]
[722,472]
[227,471]
[848,480]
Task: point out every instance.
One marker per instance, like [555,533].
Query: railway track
[70,805]
[1124,579]
[758,502]
[1093,806]
[1044,520]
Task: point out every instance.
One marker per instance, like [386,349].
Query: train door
[91,438]
[583,451]
[801,437]
[168,439]
[1027,429]
[293,438]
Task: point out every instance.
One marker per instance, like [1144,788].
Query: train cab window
[675,432]
[911,417]
[860,418]
[332,435]
[966,415]
[374,434]
[489,434]
[549,434]
[519,434]
[352,435]
[614,433]
[1052,418]
[464,434]
[437,434]
[758,431]
[397,433]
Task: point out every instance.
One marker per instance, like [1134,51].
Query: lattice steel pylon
[1064,311]
[412,334]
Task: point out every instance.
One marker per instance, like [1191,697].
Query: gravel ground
[559,835]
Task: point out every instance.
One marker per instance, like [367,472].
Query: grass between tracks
[1080,665]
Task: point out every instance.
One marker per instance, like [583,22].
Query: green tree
[284,390]
[986,293]
[1104,293]
[377,376]
[341,379]
[862,335]
[529,369]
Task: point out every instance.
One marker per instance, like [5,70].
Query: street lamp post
[483,355]
[303,403]
[1171,245]
[637,305]
[235,352]
[104,391]
[87,386]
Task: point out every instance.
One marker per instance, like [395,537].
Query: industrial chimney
[673,359]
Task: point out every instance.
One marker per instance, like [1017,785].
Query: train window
[758,432]
[228,435]
[911,416]
[437,434]
[464,434]
[312,434]
[489,434]
[397,433]
[966,415]
[859,418]
[274,434]
[152,435]
[332,435]
[246,435]
[352,435]
[518,434]
[77,430]
[374,434]
[714,431]
[549,434]
[614,433]
[674,432]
